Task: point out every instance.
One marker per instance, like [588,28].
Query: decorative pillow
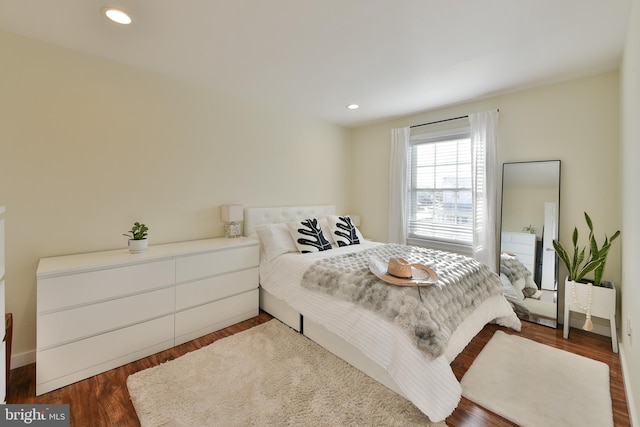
[276,240]
[308,236]
[344,231]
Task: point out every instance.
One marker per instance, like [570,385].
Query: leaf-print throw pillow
[308,236]
[344,231]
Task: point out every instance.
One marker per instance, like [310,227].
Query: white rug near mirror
[268,375]
[536,385]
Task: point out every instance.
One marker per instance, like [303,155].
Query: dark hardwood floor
[103,400]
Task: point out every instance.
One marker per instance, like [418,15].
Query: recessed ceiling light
[353,106]
[116,15]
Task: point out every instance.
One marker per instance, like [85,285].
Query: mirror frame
[544,320]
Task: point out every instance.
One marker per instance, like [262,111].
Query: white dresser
[3,347]
[101,310]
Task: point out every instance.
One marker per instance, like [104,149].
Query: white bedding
[429,383]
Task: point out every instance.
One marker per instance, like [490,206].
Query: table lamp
[232,215]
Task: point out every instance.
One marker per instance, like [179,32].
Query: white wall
[88,146]
[630,155]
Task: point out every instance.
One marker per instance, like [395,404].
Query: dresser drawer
[61,327]
[204,319]
[196,293]
[218,262]
[96,351]
[68,290]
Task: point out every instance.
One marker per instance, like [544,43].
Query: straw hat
[400,272]
[399,267]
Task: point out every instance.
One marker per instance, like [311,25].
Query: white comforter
[429,383]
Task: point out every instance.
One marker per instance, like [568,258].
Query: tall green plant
[601,253]
[596,260]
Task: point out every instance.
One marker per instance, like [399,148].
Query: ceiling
[393,57]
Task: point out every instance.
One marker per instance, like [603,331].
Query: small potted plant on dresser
[138,242]
[591,297]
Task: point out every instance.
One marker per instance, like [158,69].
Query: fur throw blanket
[430,318]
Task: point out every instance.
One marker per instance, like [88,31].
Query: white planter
[603,305]
[138,246]
[603,300]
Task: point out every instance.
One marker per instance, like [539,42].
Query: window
[440,205]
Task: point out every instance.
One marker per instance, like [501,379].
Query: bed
[360,336]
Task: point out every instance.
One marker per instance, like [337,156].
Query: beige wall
[88,146]
[576,122]
[630,154]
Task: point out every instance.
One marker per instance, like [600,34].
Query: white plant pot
[603,300]
[138,246]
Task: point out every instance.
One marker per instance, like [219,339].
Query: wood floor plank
[103,400]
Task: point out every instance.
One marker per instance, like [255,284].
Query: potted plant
[137,238]
[581,263]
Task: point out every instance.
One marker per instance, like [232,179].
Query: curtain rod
[441,121]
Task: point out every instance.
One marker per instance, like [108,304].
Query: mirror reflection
[530,216]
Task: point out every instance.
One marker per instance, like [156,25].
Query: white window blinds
[440,195]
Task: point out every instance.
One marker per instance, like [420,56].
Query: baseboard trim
[627,389]
[23,359]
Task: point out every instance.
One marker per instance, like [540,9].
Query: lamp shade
[232,213]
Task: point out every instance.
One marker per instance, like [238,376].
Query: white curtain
[484,128]
[398,185]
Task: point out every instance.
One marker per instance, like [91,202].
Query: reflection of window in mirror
[530,216]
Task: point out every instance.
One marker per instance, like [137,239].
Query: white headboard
[257,216]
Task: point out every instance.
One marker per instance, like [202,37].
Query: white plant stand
[603,305]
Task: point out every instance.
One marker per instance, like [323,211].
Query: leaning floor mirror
[530,219]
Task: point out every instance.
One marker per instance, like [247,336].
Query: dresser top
[60,265]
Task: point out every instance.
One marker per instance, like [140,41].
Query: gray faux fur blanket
[463,284]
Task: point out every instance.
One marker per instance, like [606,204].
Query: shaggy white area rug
[268,375]
[536,385]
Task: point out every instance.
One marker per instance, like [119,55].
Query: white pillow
[308,236]
[344,231]
[276,240]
